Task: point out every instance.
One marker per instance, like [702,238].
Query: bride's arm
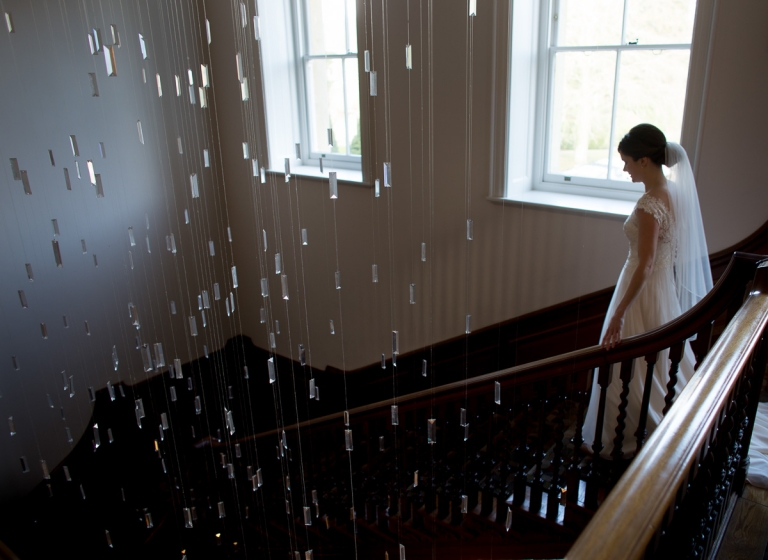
[648,236]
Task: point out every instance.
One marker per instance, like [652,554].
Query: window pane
[660,21]
[651,90]
[579,23]
[326,26]
[581,113]
[353,106]
[352,25]
[325,92]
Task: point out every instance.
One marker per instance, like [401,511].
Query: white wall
[522,258]
[45,96]
[731,175]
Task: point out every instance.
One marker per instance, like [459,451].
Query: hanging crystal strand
[302,355]
[348,439]
[497,392]
[230,422]
[287,169]
[374,84]
[377,188]
[187,518]
[395,415]
[395,342]
[470,230]
[431,431]
[387,174]
[304,237]
[334,185]
[413,294]
[284,282]
[271,368]
[408,57]
[307,516]
[468,326]
[472,8]
[375,273]
[278,263]
[464,503]
[367,58]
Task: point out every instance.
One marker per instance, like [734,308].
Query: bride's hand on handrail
[613,332]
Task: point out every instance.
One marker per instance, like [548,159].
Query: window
[605,73]
[574,76]
[311,88]
[330,74]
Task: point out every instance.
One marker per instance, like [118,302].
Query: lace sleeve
[655,208]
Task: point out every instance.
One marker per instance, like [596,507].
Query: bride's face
[635,168]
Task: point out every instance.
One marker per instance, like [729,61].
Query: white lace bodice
[666,247]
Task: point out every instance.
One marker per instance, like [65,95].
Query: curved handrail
[626,522]
[737,275]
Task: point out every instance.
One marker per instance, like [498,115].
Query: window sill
[346,175]
[599,205]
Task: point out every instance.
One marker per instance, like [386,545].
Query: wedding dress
[656,304]
[680,278]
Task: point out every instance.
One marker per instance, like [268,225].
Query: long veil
[693,277]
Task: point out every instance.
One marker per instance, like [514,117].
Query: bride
[666,273]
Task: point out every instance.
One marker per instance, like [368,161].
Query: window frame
[309,156]
[521,40]
[555,182]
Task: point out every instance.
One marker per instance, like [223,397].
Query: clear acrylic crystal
[312,388]
[464,503]
[330,323]
[408,57]
[423,252]
[412,292]
[463,417]
[395,342]
[337,278]
[302,355]
[423,368]
[187,518]
[146,357]
[271,369]
[348,440]
[470,230]
[262,315]
[334,185]
[395,415]
[387,174]
[415,478]
[375,273]
[198,405]
[377,188]
[383,361]
[264,287]
[230,422]
[234,277]
[159,355]
[468,324]
[284,282]
[497,392]
[431,430]
[307,516]
[222,513]
[373,83]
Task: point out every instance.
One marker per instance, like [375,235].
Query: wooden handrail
[634,511]
[737,275]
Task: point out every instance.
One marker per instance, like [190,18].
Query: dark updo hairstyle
[645,140]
